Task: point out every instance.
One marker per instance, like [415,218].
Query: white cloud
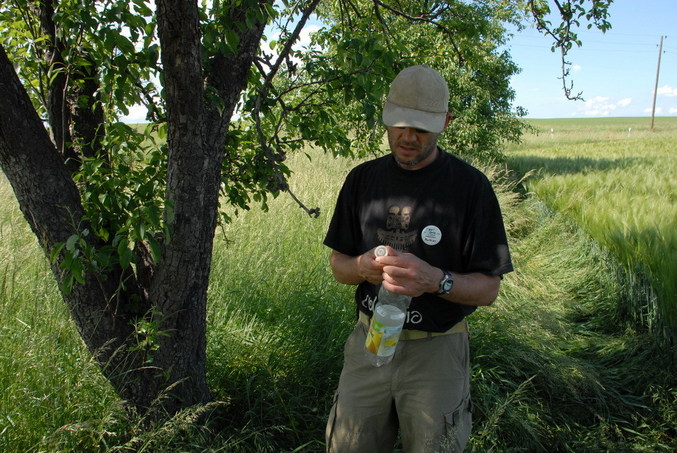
[659,110]
[304,37]
[667,91]
[576,68]
[137,114]
[603,106]
[673,111]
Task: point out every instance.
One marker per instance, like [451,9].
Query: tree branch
[425,18]
[274,157]
[563,43]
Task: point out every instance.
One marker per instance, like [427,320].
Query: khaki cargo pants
[424,391]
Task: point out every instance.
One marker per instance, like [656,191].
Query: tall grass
[616,179]
[552,371]
[277,318]
[53,397]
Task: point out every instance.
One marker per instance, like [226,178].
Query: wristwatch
[446,284]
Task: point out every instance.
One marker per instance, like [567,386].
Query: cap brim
[396,116]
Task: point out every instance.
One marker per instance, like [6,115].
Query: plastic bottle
[386,324]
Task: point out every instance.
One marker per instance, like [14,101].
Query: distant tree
[126,215]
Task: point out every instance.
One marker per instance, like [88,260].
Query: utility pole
[655,90]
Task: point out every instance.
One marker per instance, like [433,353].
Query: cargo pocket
[458,425]
[331,422]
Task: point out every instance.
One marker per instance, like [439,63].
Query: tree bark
[51,204]
[179,286]
[196,141]
[58,110]
[173,296]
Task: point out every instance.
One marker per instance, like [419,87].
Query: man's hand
[370,269]
[404,273]
[353,270]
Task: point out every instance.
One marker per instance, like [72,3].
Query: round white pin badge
[431,235]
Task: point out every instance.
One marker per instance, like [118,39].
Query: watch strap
[446,284]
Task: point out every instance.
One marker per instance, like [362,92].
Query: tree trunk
[172,374]
[58,108]
[179,286]
[51,204]
[196,140]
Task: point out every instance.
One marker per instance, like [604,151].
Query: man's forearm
[353,270]
[474,289]
[345,268]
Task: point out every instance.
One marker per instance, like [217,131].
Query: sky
[616,70]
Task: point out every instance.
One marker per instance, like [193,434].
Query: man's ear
[448,120]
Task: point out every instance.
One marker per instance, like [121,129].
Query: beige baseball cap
[418,98]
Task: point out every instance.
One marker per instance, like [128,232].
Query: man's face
[413,148]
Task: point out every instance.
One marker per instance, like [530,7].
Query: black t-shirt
[445,213]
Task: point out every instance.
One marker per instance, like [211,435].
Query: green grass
[53,397]
[553,370]
[616,179]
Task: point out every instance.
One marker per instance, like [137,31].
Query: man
[447,248]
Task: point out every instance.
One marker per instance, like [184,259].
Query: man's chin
[407,162]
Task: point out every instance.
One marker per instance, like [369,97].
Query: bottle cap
[381,250]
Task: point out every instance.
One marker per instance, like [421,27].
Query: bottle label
[381,339]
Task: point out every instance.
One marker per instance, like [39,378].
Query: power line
[588,49]
[644,47]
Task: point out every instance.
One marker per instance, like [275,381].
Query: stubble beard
[425,153]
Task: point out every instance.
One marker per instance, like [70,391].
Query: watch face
[446,284]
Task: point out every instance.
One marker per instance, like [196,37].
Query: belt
[409,334]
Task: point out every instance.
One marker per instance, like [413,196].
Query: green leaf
[124,253]
[56,251]
[155,248]
[124,44]
[232,39]
[71,241]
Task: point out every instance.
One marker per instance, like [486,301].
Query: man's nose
[409,134]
